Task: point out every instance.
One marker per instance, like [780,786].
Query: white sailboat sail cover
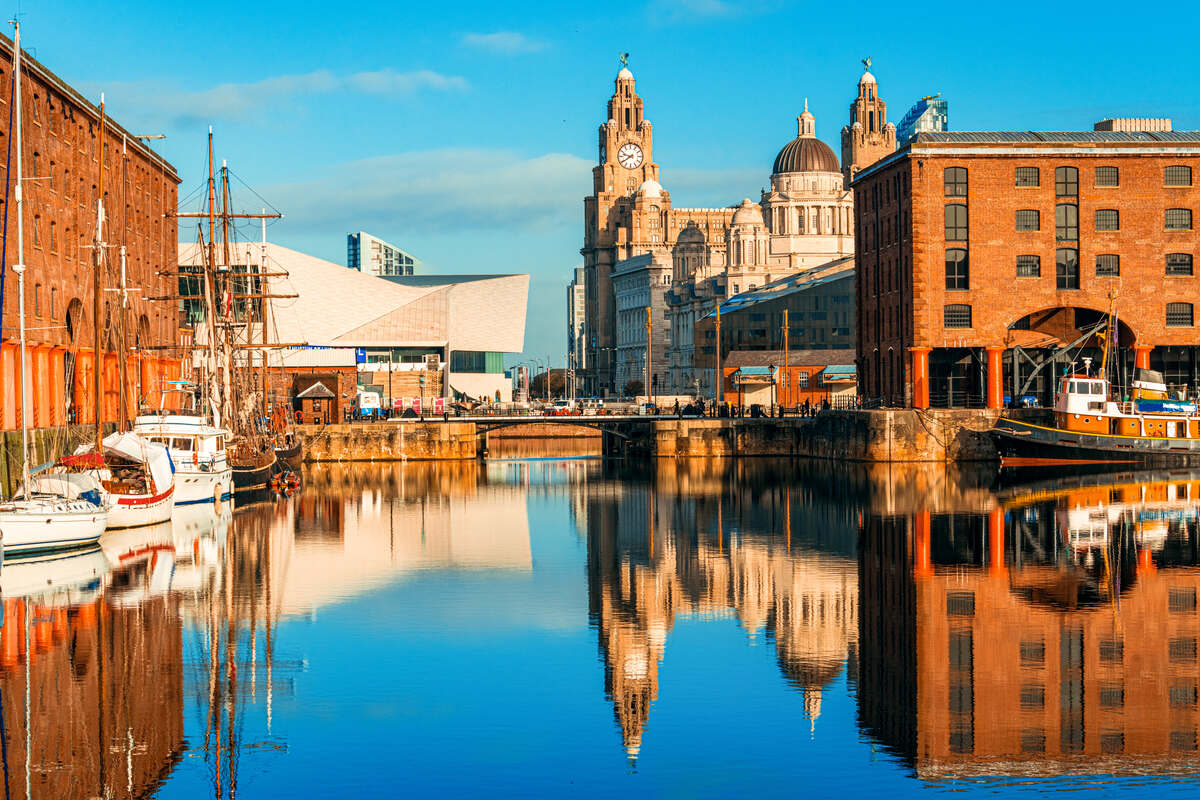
[135,448]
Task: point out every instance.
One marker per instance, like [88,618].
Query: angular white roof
[338,307]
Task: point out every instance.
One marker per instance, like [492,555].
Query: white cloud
[505,42]
[163,104]
[677,11]
[449,190]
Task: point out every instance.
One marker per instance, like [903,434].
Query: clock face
[629,156]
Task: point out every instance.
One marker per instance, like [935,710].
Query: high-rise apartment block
[374,256]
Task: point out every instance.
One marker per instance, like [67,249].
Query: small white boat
[137,477]
[49,522]
[202,473]
[142,561]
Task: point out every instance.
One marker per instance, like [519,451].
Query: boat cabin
[1082,404]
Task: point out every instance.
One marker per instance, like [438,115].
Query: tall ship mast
[235,296]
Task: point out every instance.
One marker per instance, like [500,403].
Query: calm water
[554,627]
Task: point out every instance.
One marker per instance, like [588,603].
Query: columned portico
[995,377]
[920,373]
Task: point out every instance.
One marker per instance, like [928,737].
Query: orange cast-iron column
[920,376]
[995,377]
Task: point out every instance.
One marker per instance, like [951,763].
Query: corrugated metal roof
[1015,137]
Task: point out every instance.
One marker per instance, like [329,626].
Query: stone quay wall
[389,441]
[878,436]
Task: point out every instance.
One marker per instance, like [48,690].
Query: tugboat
[1092,430]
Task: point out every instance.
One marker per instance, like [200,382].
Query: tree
[634,388]
[558,384]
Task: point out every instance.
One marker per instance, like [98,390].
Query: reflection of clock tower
[626,151]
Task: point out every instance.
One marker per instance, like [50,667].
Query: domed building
[635,239]
[809,210]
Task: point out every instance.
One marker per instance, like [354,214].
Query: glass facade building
[929,114]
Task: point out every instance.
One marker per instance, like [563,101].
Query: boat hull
[194,487]
[134,511]
[58,526]
[253,478]
[1022,444]
[292,456]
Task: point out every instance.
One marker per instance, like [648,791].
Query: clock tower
[626,161]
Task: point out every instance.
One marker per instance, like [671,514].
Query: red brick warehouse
[62,163]
[982,255]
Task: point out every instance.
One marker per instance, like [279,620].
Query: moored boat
[197,449]
[136,476]
[1093,431]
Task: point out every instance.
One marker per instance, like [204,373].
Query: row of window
[1066,179]
[1066,221]
[1108,265]
[958,315]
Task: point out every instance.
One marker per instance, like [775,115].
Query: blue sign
[360,355]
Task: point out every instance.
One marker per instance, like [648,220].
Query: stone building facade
[869,136]
[61,149]
[803,221]
[981,256]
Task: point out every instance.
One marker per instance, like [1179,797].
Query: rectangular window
[1108,219]
[1112,742]
[956,181]
[960,604]
[1028,176]
[1108,265]
[1033,697]
[1183,740]
[1177,176]
[1029,219]
[1183,649]
[1179,219]
[37,300]
[1033,654]
[956,222]
[1183,694]
[802,380]
[1067,268]
[1181,600]
[1029,266]
[957,270]
[1112,651]
[1066,182]
[1066,222]
[1107,176]
[956,315]
[1179,315]
[1179,263]
[1112,696]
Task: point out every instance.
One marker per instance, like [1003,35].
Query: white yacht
[202,473]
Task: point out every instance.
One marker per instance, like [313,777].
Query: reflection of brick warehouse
[99,676]
[981,655]
[61,133]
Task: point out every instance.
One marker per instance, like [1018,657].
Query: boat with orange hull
[1093,432]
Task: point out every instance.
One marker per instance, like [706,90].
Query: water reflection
[683,540]
[1053,634]
[972,630]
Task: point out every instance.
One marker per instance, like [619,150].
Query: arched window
[956,315]
[1066,182]
[1179,219]
[1066,222]
[956,181]
[1179,263]
[1179,315]
[957,270]
[956,222]
[1067,268]
[1177,175]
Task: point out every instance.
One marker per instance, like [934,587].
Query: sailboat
[197,448]
[41,519]
[232,294]
[136,475]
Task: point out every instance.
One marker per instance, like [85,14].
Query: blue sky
[465,132]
